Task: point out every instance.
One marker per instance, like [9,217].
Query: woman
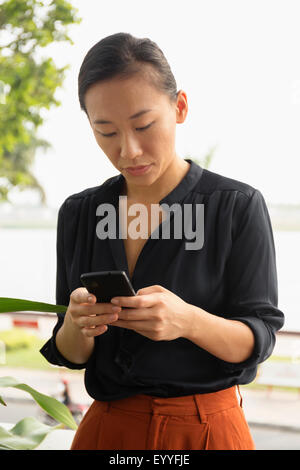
[163,366]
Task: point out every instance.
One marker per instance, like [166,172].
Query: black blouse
[233,275]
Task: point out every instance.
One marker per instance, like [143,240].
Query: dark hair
[123,55]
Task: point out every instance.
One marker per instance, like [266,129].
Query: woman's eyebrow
[134,116]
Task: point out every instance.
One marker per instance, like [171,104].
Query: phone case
[107,284]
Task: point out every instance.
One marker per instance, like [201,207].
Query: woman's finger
[137,301]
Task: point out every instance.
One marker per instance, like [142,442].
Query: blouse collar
[177,194]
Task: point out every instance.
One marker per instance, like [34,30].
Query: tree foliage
[28,83]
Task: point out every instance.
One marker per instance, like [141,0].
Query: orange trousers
[211,421]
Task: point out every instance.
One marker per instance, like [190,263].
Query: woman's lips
[138,170]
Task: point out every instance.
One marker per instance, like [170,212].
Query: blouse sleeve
[49,350]
[251,275]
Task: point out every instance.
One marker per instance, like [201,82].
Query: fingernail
[115,301]
[116,309]
[90,298]
[112,318]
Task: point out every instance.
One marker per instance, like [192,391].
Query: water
[287,255]
[28,265]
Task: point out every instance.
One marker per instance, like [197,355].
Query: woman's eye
[138,129]
[106,135]
[144,128]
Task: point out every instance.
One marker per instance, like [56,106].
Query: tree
[28,83]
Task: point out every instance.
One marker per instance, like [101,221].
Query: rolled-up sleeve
[252,293]
[49,350]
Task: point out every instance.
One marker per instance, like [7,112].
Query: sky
[237,61]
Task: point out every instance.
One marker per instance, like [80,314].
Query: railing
[290,333]
[53,315]
[33,314]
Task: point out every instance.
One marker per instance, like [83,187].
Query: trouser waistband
[201,404]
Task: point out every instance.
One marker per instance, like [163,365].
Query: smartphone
[107,284]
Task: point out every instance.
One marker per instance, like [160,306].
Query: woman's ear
[181,106]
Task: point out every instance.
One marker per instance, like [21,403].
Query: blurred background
[238,63]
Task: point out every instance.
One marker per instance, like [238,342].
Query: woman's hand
[90,317]
[162,316]
[155,312]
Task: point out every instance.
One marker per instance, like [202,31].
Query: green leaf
[27,434]
[16,305]
[53,407]
[2,401]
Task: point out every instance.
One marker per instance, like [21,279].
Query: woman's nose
[130,148]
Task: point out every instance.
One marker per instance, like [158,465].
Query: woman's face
[135,124]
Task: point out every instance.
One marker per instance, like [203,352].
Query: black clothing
[233,275]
